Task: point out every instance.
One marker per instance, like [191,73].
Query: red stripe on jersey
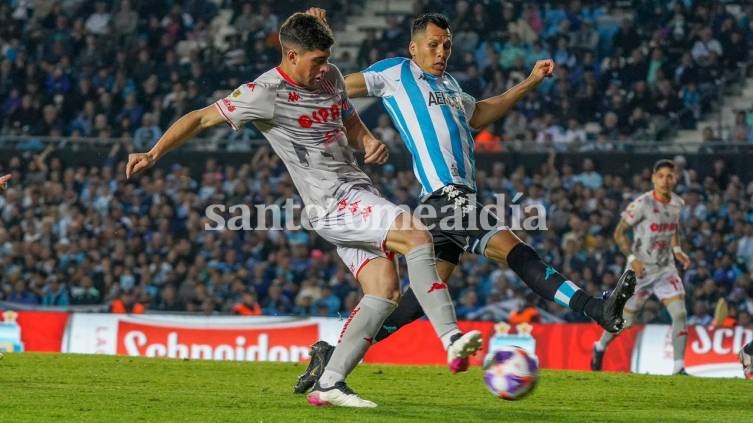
[661,200]
[287,78]
[222,112]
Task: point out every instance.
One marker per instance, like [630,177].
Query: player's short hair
[306,32]
[421,22]
[664,163]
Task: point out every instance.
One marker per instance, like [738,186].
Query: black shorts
[453,203]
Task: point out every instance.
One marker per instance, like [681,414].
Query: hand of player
[683,259]
[638,268]
[376,151]
[318,12]
[138,162]
[542,69]
[4,181]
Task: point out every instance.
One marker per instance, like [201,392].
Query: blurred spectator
[247,306]
[127,303]
[55,293]
[700,315]
[147,134]
[487,141]
[386,133]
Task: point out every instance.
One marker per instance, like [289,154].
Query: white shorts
[358,227]
[664,283]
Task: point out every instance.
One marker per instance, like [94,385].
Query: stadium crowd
[85,236]
[127,69]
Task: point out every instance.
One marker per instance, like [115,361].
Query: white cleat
[339,395]
[461,348]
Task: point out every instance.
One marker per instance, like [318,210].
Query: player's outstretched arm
[178,133]
[491,109]
[360,138]
[355,84]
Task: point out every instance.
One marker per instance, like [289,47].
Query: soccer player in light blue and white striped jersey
[436,119]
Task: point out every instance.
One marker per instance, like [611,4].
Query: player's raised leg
[505,246]
[379,282]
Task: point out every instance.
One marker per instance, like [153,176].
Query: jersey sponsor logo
[228,105]
[236,94]
[663,227]
[293,97]
[439,98]
[320,116]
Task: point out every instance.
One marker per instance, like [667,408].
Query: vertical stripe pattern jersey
[432,114]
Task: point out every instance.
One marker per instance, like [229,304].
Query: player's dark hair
[421,22]
[664,163]
[307,32]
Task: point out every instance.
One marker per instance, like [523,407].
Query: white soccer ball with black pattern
[511,373]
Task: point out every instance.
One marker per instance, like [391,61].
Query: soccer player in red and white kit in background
[654,217]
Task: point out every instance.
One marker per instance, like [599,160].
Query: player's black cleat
[320,354]
[611,318]
[596,359]
[682,372]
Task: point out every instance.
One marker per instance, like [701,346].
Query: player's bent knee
[677,312]
[416,238]
[500,245]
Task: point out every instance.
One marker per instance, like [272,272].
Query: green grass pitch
[85,388]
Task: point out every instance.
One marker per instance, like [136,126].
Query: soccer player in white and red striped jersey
[302,109]
[655,219]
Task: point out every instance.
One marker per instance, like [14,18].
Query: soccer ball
[510,372]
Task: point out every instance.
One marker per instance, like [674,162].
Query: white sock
[679,365]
